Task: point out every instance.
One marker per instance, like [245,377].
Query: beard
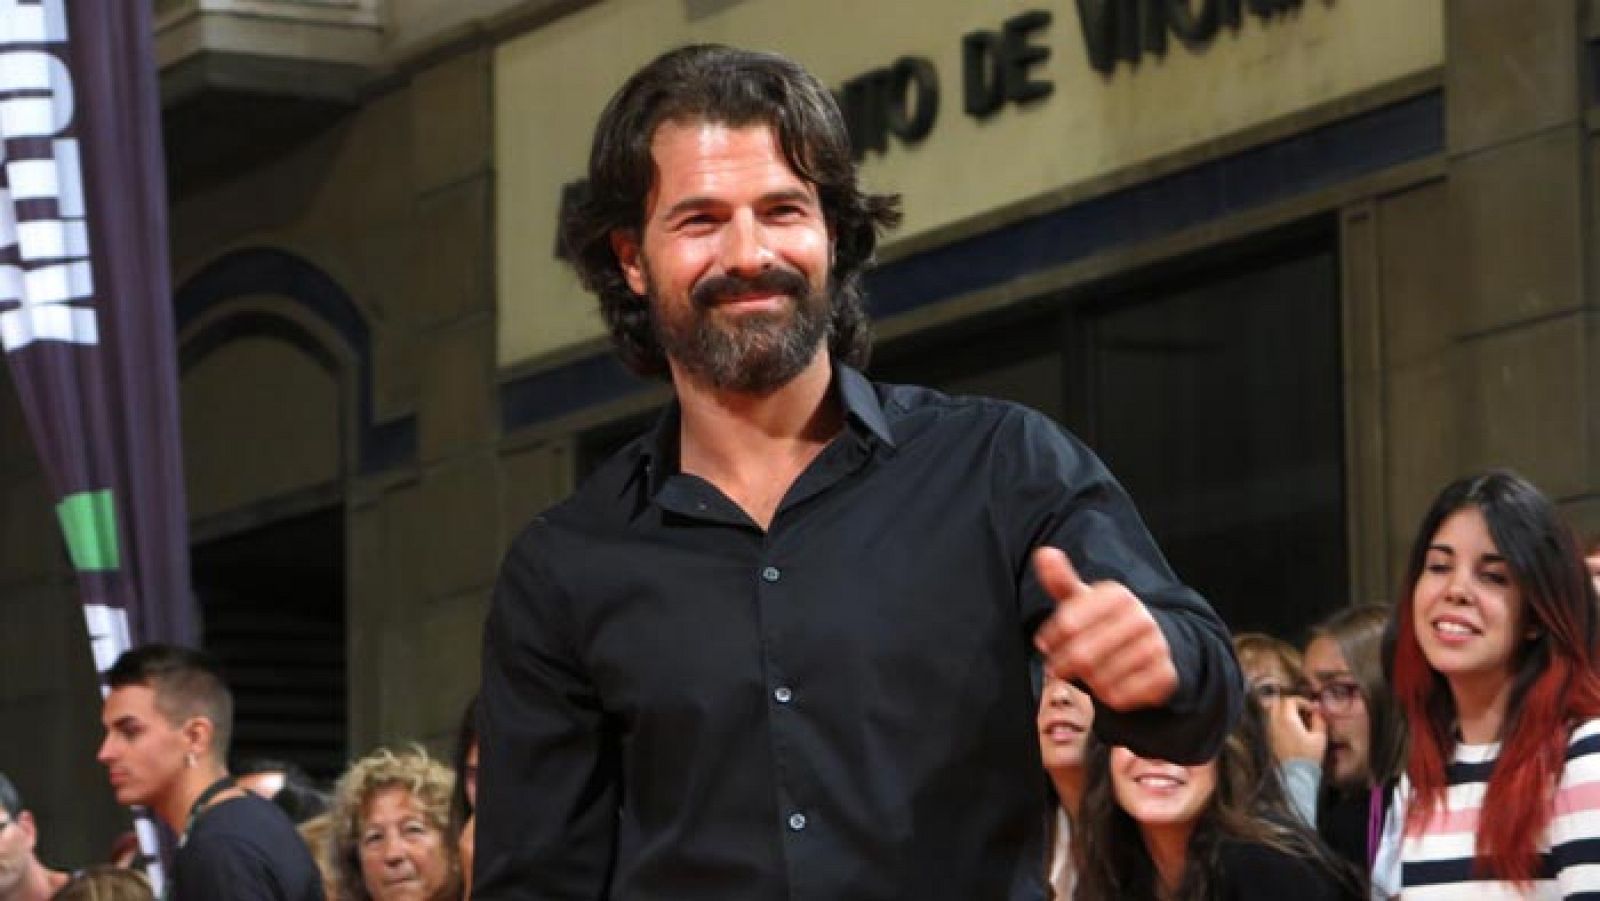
[750,353]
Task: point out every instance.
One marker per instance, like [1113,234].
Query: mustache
[718,288]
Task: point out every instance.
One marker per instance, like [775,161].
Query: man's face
[734,256]
[143,751]
[17,839]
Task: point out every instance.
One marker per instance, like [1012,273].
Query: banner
[86,321]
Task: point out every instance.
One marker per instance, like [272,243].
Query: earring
[188,759]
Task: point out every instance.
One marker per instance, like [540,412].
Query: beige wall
[261,420]
[966,169]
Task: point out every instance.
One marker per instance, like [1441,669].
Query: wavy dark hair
[1553,684]
[727,86]
[1249,806]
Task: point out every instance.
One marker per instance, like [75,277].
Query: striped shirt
[1436,863]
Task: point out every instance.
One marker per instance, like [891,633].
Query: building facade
[1289,266]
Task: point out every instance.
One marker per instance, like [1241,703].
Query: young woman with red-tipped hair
[1494,664]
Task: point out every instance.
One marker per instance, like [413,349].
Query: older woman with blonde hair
[391,815]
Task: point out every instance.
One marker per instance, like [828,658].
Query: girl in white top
[1065,715]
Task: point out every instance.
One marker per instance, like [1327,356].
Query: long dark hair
[1249,806]
[1554,682]
[723,85]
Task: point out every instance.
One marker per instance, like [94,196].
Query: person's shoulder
[913,410]
[603,496]
[247,822]
[245,844]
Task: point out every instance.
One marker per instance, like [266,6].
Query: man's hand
[1296,729]
[1103,636]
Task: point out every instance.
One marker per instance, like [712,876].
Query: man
[22,876]
[781,646]
[168,720]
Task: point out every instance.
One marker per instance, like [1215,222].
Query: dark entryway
[272,599]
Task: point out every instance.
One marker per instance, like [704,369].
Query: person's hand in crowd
[1296,728]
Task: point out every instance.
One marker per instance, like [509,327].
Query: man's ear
[24,821]
[625,244]
[198,733]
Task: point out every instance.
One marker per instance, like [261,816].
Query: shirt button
[797,821]
[771,574]
[782,694]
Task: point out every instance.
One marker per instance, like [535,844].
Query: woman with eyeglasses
[1495,666]
[1366,733]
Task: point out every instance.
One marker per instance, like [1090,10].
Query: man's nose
[104,754]
[744,247]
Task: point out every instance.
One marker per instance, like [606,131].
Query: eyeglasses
[1267,691]
[1336,697]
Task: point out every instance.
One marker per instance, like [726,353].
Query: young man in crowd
[780,647]
[168,720]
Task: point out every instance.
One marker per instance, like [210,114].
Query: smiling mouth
[1451,628]
[1158,782]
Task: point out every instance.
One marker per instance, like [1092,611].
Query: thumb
[1056,574]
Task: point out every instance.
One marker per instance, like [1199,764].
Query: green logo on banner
[89,520]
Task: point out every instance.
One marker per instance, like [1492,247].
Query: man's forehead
[698,148]
[124,701]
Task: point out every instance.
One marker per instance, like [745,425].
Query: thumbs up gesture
[1102,635]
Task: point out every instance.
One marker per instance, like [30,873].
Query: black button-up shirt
[677,704]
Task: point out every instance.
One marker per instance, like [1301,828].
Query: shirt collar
[861,404]
[658,455]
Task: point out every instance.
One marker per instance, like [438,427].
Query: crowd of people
[783,645]
[1360,769]
[1364,766]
